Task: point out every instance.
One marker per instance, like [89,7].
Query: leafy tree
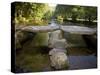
[76,12]
[59,19]
[90,13]
[48,15]
[31,13]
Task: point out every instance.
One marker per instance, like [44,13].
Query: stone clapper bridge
[58,56]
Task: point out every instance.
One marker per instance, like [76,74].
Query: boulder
[53,37]
[55,50]
[58,55]
[62,43]
[58,59]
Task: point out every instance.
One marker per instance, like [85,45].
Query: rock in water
[58,55]
[58,59]
[53,36]
[55,50]
[61,43]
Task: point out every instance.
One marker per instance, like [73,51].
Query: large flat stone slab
[70,29]
[78,30]
[40,28]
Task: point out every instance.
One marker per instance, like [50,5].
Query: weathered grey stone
[53,37]
[39,28]
[71,29]
[62,43]
[55,50]
[58,59]
[79,30]
[58,55]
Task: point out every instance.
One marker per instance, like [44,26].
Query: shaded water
[36,61]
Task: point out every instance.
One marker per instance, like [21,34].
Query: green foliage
[76,12]
[60,19]
[90,13]
[32,13]
[40,13]
[48,15]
